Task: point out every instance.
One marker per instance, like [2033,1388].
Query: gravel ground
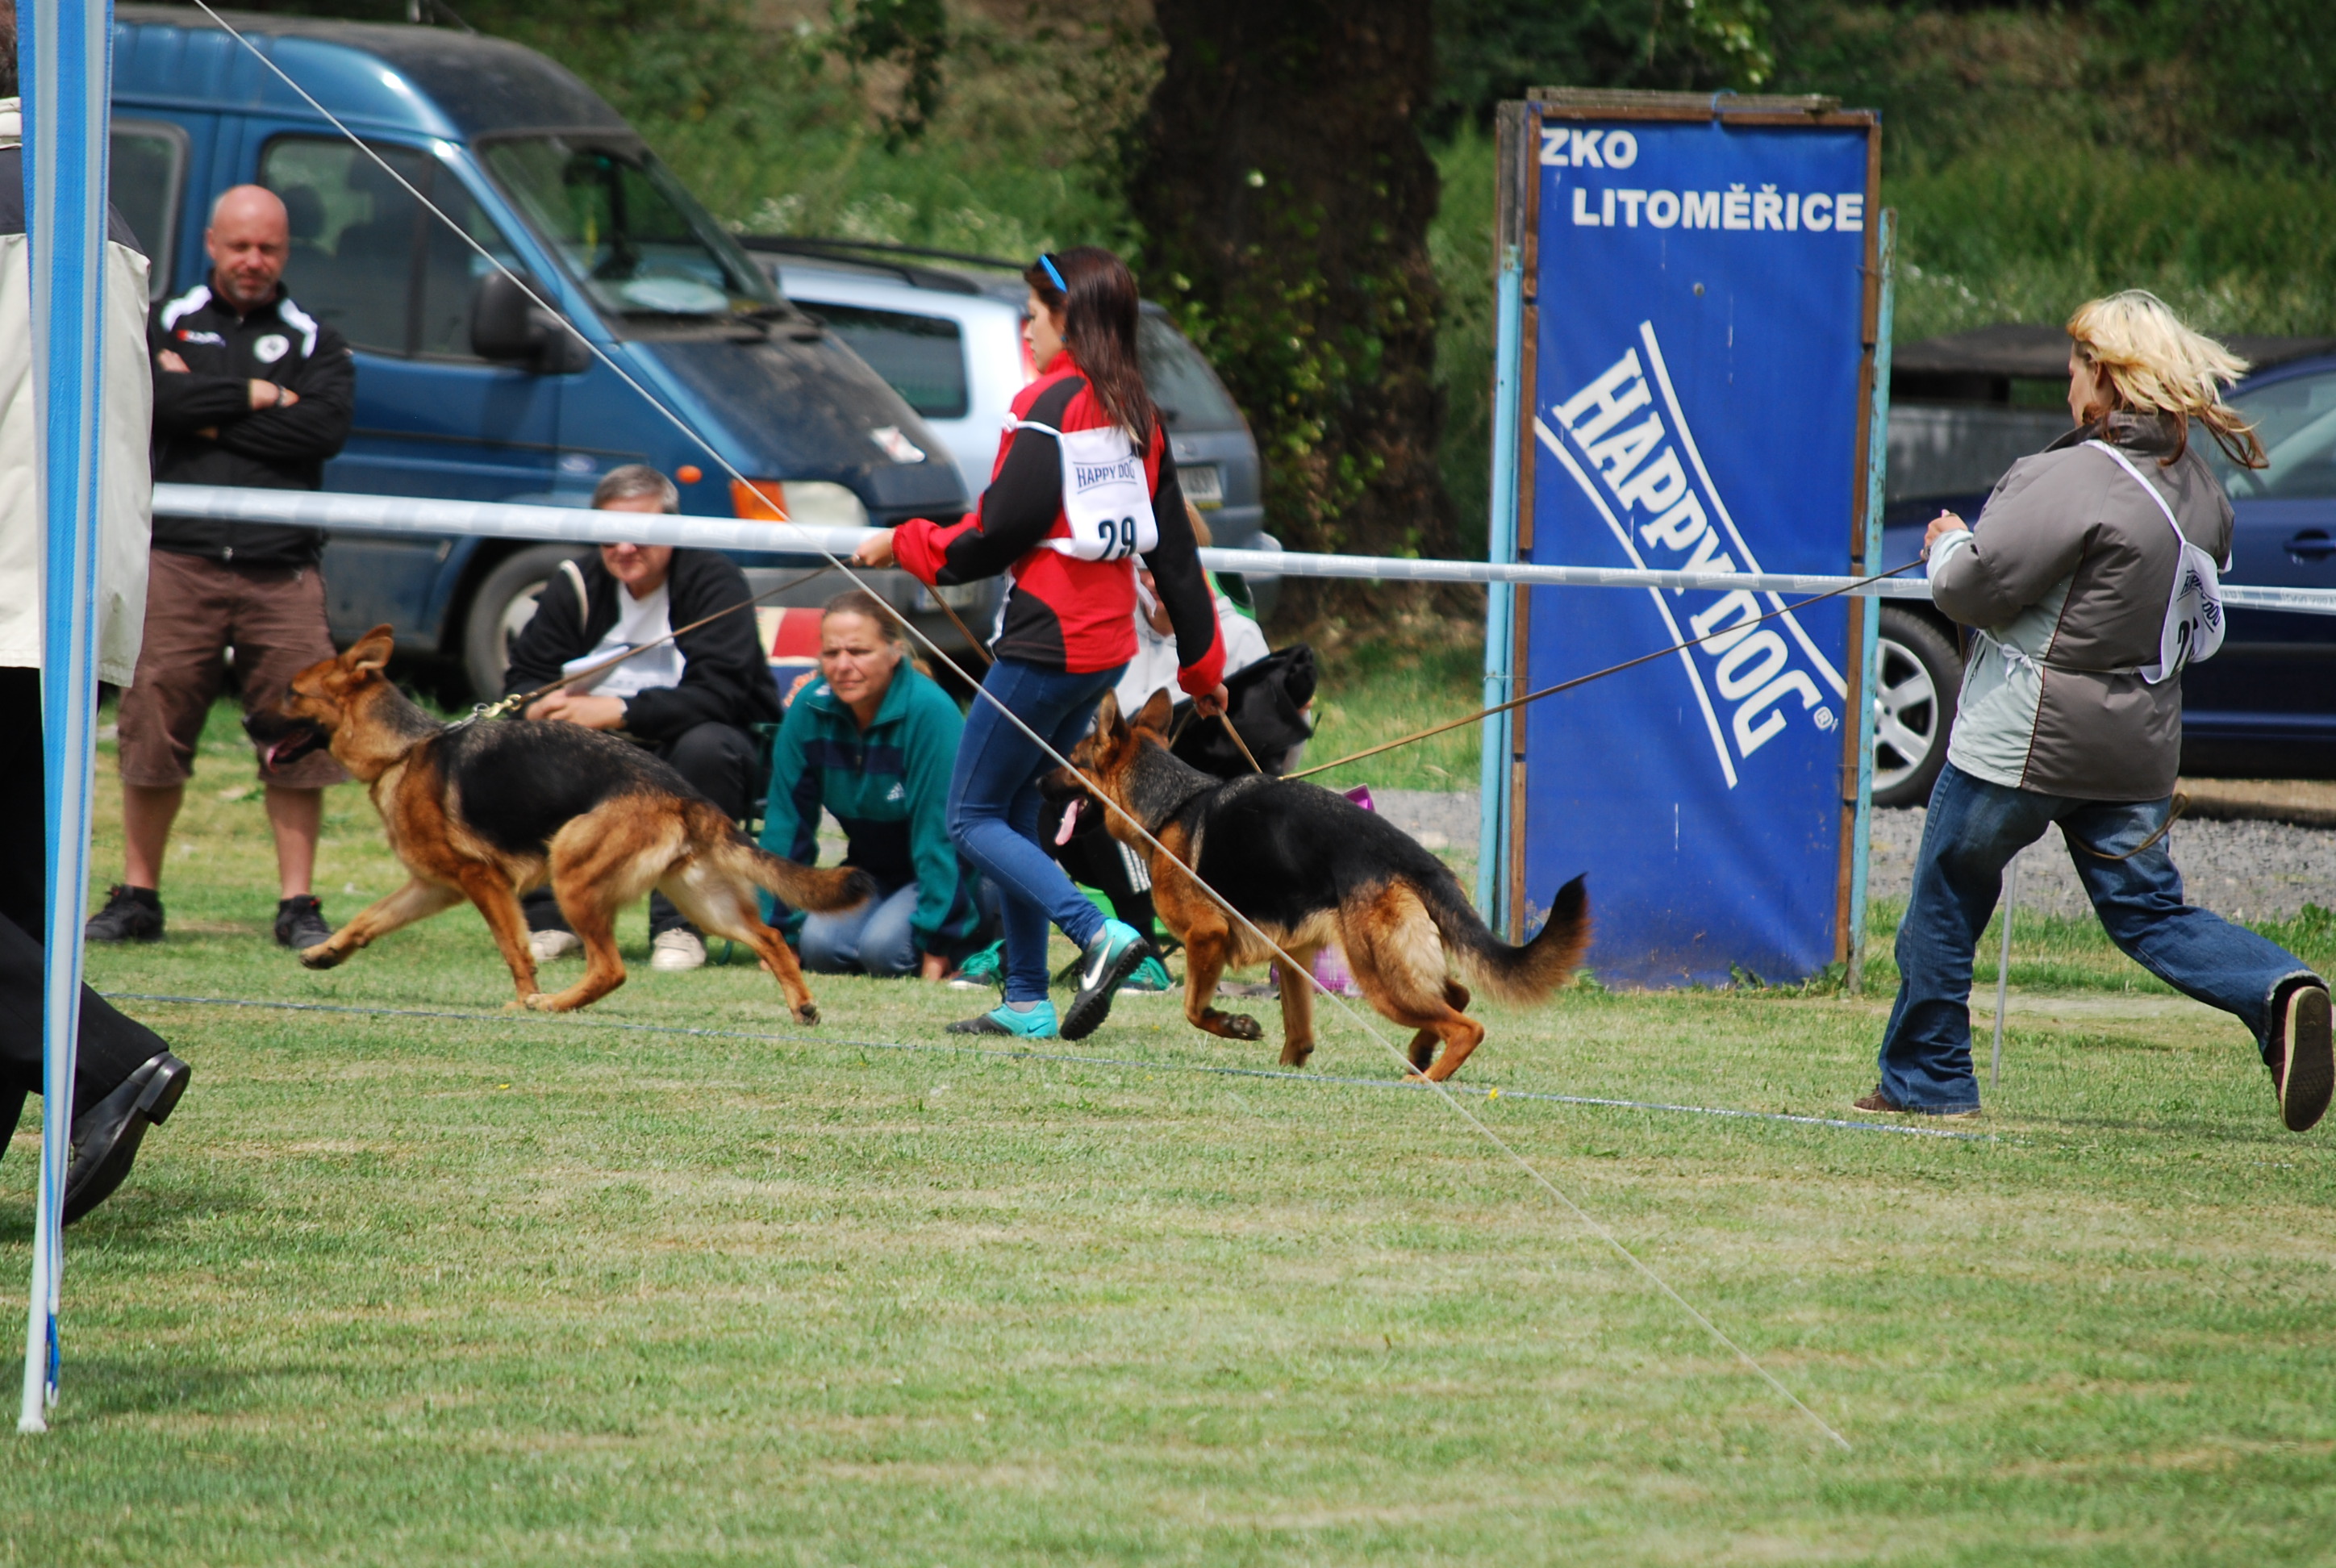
[1439,819]
[2244,870]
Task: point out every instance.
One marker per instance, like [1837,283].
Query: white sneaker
[548,945]
[676,949]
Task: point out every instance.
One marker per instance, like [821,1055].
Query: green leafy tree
[1285,196]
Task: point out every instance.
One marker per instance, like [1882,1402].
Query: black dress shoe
[105,1137]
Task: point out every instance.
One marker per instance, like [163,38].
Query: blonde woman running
[2089,580]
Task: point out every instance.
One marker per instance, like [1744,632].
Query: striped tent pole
[65,65]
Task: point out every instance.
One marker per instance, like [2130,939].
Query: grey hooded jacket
[2066,576]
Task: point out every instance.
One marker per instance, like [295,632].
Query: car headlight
[813,503]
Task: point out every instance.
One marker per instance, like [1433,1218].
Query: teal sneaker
[1104,967]
[1149,978]
[1037,1023]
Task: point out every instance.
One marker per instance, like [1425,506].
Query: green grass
[433,1290]
[1377,688]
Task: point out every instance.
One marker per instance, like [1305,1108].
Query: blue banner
[1695,406]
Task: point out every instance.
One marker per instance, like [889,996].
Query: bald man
[249,390]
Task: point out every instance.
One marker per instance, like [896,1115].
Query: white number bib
[2193,630]
[1105,495]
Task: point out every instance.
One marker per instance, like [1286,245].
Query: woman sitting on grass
[872,742]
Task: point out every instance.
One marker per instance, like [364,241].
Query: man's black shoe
[300,923]
[105,1137]
[130,915]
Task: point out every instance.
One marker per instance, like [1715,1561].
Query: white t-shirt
[638,621]
[1154,666]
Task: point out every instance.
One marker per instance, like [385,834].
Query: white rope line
[930,1048]
[1289,966]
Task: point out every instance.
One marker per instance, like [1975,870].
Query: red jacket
[1065,613]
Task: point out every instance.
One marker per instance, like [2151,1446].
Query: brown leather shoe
[2303,1065]
[1879,1102]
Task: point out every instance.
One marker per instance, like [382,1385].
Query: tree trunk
[1285,197]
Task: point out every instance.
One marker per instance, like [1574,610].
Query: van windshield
[637,238]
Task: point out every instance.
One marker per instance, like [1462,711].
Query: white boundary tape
[395,514]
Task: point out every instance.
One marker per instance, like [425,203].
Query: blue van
[463,391]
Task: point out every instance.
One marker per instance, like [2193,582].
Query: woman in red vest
[1082,486]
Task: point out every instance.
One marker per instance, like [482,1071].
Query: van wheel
[1919,677]
[500,609]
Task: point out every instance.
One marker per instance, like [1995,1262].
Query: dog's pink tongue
[1070,821]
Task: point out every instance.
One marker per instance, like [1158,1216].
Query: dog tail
[816,888]
[1525,974]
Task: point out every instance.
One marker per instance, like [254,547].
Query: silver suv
[948,338]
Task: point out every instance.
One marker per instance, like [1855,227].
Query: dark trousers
[1973,830]
[112,1045]
[717,760]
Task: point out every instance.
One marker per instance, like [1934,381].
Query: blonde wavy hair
[2155,364]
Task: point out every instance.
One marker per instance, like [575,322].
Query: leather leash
[2180,804]
[507,706]
[1518,702]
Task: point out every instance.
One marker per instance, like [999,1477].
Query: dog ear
[1108,725]
[371,651]
[1154,716]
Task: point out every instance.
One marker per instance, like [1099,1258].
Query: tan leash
[519,703]
[1596,675]
[2180,804]
[964,630]
[1227,720]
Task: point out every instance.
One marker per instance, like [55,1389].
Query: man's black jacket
[726,678]
[267,448]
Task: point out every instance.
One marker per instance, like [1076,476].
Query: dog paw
[1294,1054]
[539,1002]
[807,1014]
[320,957]
[1241,1027]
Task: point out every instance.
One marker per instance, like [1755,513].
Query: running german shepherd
[1310,868]
[488,811]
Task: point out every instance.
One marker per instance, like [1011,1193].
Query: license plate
[1205,485]
[956,596]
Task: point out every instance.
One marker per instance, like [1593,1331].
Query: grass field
[432,1289]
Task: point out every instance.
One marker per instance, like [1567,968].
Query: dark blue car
[2265,706]
[463,391]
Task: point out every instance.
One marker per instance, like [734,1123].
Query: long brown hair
[1099,309]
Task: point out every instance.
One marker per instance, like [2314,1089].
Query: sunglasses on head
[1054,273]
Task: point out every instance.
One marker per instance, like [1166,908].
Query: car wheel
[1920,674]
[500,609]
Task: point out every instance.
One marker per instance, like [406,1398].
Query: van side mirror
[509,329]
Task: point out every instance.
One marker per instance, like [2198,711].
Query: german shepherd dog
[488,811]
[1309,867]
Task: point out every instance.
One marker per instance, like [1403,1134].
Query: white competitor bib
[1105,495]
[2194,625]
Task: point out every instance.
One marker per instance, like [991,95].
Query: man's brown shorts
[195,609]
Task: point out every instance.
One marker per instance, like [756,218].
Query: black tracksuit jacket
[725,678]
[266,448]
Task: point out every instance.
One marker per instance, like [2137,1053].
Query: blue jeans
[875,938]
[993,809]
[1973,830]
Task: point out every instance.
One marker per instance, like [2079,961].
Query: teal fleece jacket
[888,786]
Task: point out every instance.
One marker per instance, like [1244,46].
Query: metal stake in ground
[2003,967]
